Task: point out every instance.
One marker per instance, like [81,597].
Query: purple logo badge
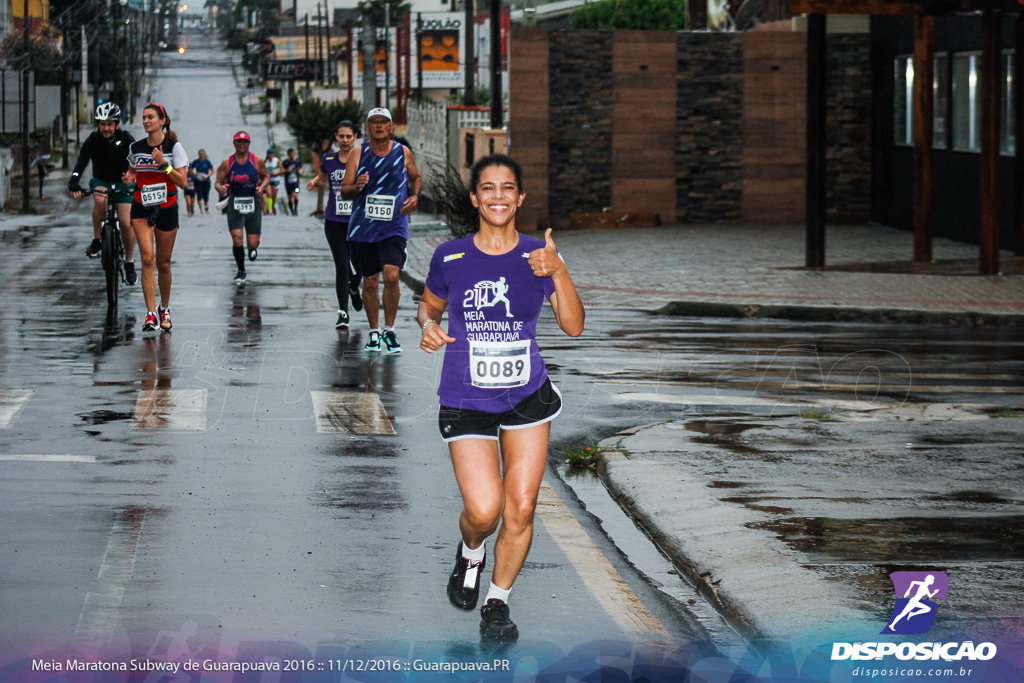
[915,608]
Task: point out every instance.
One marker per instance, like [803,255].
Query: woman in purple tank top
[496,400]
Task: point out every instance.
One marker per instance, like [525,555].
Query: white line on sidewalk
[355,412]
[597,572]
[11,403]
[30,457]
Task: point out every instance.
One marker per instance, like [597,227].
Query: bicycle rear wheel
[108,242]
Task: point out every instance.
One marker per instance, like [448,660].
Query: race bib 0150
[380,207]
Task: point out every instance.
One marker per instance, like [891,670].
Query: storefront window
[966,102]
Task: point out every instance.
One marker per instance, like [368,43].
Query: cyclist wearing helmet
[107,149]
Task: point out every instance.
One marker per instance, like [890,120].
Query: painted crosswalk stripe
[350,412]
[34,457]
[597,572]
[180,409]
[11,403]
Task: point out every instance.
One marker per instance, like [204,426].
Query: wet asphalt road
[238,478]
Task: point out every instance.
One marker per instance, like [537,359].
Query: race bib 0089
[499,365]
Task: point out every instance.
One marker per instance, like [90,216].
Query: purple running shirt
[493,306]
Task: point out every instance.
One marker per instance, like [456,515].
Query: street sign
[259,47]
[292,70]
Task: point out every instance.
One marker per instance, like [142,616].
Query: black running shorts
[369,258]
[163,218]
[539,407]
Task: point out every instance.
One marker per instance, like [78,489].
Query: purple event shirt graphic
[915,608]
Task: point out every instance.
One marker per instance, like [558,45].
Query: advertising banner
[441,41]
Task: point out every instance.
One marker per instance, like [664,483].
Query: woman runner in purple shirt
[496,399]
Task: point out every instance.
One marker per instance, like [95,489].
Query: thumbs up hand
[546,262]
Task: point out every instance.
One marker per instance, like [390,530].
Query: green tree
[642,15]
[313,121]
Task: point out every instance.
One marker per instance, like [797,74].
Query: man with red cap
[243,177]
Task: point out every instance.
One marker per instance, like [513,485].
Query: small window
[903,99]
[940,130]
[966,102]
[1007,140]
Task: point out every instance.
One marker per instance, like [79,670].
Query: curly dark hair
[452,195]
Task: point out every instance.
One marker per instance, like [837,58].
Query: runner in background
[243,178]
[291,166]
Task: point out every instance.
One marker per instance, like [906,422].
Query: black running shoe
[464,583]
[495,623]
[130,276]
[94,249]
[252,254]
[240,277]
[342,323]
[357,299]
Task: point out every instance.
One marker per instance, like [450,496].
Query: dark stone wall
[580,122]
[709,128]
[848,155]
[708,141]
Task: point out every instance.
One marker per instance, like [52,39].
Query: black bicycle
[111,248]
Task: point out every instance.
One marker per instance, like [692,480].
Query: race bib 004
[342,207]
[154,195]
[245,205]
[380,207]
[499,365]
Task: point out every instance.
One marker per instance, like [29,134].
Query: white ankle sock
[497,593]
[476,554]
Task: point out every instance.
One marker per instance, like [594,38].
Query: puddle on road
[101,417]
[719,427]
[943,539]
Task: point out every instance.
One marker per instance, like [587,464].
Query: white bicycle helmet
[108,111]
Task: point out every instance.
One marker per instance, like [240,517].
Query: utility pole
[387,54]
[419,57]
[496,117]
[369,35]
[26,65]
[307,48]
[470,96]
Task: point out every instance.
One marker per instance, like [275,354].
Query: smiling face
[497,196]
[346,139]
[107,128]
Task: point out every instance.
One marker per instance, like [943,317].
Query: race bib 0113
[245,205]
[499,365]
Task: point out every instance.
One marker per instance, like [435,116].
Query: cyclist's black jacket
[109,157]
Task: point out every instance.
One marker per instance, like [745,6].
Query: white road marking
[11,403]
[29,457]
[100,616]
[345,412]
[160,408]
[597,572]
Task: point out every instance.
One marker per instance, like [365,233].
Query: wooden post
[988,241]
[924,123]
[817,73]
[1018,133]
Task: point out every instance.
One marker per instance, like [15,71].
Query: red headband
[157,105]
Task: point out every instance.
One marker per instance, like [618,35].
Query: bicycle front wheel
[109,259]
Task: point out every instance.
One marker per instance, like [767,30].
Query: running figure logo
[488,293]
[914,612]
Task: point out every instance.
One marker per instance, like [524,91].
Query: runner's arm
[428,315]
[351,185]
[222,177]
[261,168]
[565,300]
[414,182]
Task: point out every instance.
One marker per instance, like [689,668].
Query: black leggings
[337,234]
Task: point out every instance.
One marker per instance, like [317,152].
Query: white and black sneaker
[94,249]
[342,323]
[240,277]
[464,582]
[495,624]
[252,253]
